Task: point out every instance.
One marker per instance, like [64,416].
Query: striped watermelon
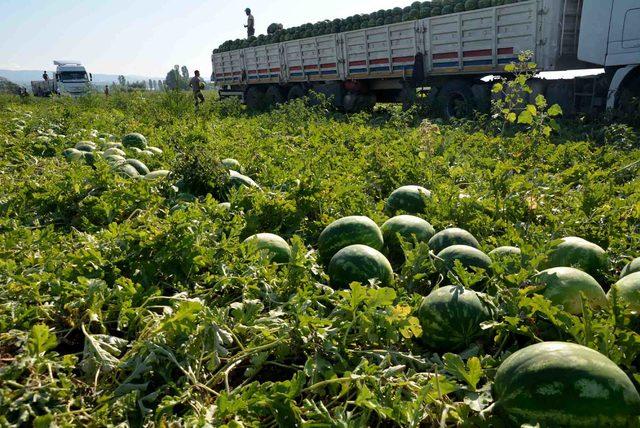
[359,263]
[632,267]
[579,253]
[451,318]
[628,289]
[410,199]
[504,252]
[452,236]
[349,231]
[564,285]
[135,140]
[469,257]
[278,249]
[410,228]
[139,166]
[558,384]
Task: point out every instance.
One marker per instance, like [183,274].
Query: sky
[146,37]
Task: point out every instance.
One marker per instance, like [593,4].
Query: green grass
[128,301]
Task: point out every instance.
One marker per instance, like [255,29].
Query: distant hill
[7,87]
[24,77]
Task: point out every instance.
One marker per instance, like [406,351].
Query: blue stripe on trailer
[312,73]
[329,72]
[445,64]
[296,74]
[358,70]
[403,67]
[479,62]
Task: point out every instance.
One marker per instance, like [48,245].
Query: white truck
[71,78]
[450,54]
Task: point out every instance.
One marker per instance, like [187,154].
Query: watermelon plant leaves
[41,339]
[471,373]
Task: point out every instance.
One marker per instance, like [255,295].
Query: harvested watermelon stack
[418,10]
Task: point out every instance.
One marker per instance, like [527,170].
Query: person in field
[45,76]
[197,85]
[251,28]
[106,91]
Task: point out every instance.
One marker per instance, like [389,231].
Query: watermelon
[451,317]
[410,228]
[135,140]
[452,236]
[72,154]
[470,257]
[86,146]
[108,146]
[579,253]
[632,267]
[564,285]
[349,231]
[128,170]
[139,166]
[277,248]
[508,257]
[115,159]
[239,180]
[114,151]
[147,153]
[232,164]
[154,150]
[410,199]
[225,206]
[89,157]
[557,384]
[628,291]
[359,263]
[157,175]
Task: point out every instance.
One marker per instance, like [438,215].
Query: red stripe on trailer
[252,72]
[447,55]
[237,73]
[295,68]
[379,61]
[275,70]
[505,51]
[311,67]
[404,59]
[358,63]
[328,65]
[263,70]
[477,53]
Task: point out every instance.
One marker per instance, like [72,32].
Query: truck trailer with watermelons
[445,48]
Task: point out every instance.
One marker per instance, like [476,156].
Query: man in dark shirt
[251,27]
[197,85]
[45,76]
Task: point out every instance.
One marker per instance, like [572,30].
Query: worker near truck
[45,76]
[251,28]
[197,85]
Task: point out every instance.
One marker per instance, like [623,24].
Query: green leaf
[471,374]
[554,110]
[525,118]
[40,340]
[497,88]
[511,117]
[510,68]
[532,109]
[541,101]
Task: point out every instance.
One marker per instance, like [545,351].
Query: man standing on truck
[45,76]
[251,28]
[197,85]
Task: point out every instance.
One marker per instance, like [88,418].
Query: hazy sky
[146,37]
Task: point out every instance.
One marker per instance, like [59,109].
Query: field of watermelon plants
[144,284]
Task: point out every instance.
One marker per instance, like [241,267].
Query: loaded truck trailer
[450,54]
[71,78]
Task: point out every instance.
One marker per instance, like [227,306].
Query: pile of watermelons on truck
[418,10]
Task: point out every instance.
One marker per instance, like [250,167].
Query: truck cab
[72,78]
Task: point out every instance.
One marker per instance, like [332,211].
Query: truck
[451,55]
[71,78]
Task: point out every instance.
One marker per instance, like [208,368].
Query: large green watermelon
[628,289]
[410,228]
[410,199]
[72,154]
[349,231]
[451,318]
[86,146]
[452,236]
[359,263]
[632,267]
[579,253]
[278,249]
[469,257]
[139,166]
[564,285]
[135,140]
[558,384]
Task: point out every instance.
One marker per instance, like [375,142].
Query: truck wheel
[254,98]
[408,97]
[455,99]
[629,99]
[297,91]
[274,96]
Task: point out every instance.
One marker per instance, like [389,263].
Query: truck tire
[408,97]
[455,99]
[274,96]
[297,91]
[254,98]
[628,101]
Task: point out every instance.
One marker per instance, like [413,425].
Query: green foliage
[126,301]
